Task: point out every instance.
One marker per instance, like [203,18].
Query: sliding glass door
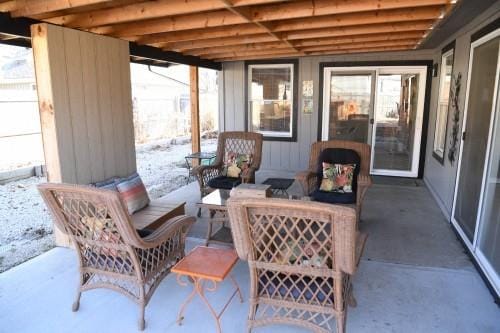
[476,207]
[382,106]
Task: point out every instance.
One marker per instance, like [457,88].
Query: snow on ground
[25,224]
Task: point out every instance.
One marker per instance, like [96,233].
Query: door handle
[372,121]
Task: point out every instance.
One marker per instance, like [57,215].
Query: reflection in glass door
[476,206]
[398,120]
[381,106]
[480,100]
[349,107]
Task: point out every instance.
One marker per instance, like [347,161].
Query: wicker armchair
[309,178]
[111,254]
[301,256]
[236,142]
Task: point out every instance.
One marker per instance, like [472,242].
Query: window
[272,106]
[443,105]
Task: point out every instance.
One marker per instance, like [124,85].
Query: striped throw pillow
[133,192]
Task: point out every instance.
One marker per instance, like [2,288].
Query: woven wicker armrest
[248,176]
[307,179]
[167,231]
[206,172]
[364,181]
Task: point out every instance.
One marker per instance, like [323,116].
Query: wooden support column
[195,109]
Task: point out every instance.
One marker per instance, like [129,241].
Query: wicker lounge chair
[111,253]
[309,178]
[210,176]
[301,256]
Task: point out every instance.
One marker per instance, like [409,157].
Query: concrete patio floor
[414,277]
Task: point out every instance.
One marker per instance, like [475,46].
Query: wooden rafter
[247,29]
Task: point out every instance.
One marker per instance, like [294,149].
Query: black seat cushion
[337,156]
[333,197]
[223,182]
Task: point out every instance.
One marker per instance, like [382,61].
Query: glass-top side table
[203,158]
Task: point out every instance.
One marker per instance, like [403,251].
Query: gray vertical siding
[440,178]
[290,156]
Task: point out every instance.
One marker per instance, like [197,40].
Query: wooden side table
[206,264]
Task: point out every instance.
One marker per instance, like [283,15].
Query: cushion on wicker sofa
[133,192]
[223,182]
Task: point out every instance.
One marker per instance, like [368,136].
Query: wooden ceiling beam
[359,38]
[372,17]
[290,55]
[28,8]
[232,48]
[360,30]
[364,50]
[310,8]
[174,23]
[143,11]
[205,33]
[361,45]
[217,42]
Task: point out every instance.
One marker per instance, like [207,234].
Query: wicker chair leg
[341,323]
[76,303]
[351,300]
[142,321]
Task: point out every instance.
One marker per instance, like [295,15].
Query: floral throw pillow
[337,177]
[237,164]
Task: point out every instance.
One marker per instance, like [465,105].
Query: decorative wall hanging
[307,97]
[455,128]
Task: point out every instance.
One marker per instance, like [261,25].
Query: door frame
[473,248]
[390,63]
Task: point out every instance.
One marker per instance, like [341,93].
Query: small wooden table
[206,264]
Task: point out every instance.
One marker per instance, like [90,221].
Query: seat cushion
[338,156]
[223,182]
[333,197]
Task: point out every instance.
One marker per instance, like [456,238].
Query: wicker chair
[236,142]
[111,254]
[309,178]
[301,256]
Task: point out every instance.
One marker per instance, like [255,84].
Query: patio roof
[224,30]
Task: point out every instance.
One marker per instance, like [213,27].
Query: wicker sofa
[301,256]
[111,253]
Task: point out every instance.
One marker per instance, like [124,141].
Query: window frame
[280,63]
[447,51]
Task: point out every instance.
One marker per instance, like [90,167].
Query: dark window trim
[427,99]
[447,48]
[485,30]
[295,63]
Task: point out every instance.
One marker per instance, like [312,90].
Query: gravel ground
[26,227]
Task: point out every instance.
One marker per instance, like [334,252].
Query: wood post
[195,109]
